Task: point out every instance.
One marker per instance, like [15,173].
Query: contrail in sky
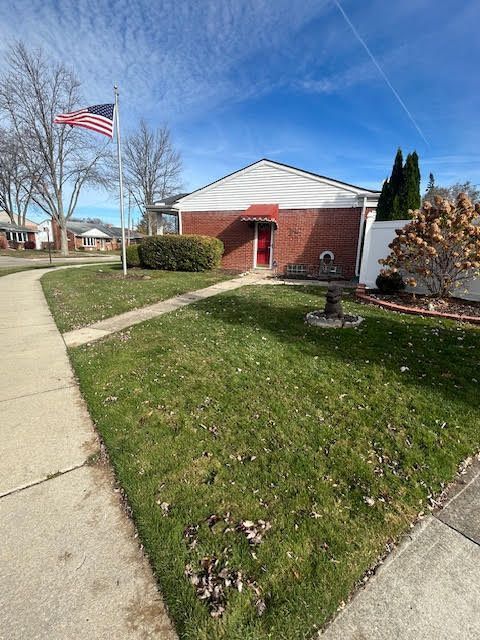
[380,70]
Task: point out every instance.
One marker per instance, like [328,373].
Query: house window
[297,269]
[16,236]
[89,242]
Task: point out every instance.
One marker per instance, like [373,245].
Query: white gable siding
[267,184]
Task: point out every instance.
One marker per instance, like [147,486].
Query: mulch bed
[451,308]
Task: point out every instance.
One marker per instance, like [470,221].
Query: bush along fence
[176,253]
[437,251]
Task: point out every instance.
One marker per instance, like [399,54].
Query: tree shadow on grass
[436,354]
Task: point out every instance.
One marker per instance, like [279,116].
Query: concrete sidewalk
[70,566]
[428,588]
[122,321]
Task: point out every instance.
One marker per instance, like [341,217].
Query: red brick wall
[237,236]
[301,237]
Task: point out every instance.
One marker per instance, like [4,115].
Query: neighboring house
[86,236]
[271,215]
[81,235]
[45,234]
[17,235]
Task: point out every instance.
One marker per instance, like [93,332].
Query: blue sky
[237,80]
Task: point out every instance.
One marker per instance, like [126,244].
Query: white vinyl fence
[378,236]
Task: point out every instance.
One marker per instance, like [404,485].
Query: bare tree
[467,187]
[452,192]
[16,181]
[60,160]
[152,167]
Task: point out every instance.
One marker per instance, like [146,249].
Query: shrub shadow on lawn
[432,353]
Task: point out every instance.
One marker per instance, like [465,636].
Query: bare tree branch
[16,182]
[152,167]
[59,160]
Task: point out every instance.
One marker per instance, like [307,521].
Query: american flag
[98,118]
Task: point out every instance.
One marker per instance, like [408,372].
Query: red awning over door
[261,213]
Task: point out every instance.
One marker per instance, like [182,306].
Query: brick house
[86,236]
[17,235]
[273,216]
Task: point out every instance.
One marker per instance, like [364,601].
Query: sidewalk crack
[462,533]
[37,393]
[43,480]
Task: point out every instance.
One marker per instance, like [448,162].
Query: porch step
[266,272]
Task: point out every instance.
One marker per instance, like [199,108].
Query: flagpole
[129,218]
[120,175]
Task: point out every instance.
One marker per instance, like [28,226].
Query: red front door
[264,237]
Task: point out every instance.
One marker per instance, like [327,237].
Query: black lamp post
[47,229]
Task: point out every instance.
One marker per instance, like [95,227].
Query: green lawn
[234,408]
[78,297]
[5,271]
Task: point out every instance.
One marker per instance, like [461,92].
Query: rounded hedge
[133,257]
[181,253]
[390,283]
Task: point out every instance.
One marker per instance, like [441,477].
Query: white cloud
[168,57]
[187,61]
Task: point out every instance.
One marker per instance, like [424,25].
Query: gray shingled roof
[78,228]
[171,199]
[5,226]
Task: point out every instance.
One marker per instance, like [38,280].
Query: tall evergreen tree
[398,176]
[397,207]
[401,191]
[410,194]
[387,202]
[384,204]
[431,183]
[418,178]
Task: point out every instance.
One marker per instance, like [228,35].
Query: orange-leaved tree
[440,248]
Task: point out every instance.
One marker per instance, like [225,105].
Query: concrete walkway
[428,588]
[122,321]
[70,566]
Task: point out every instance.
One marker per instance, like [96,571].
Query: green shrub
[133,257]
[181,253]
[390,283]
